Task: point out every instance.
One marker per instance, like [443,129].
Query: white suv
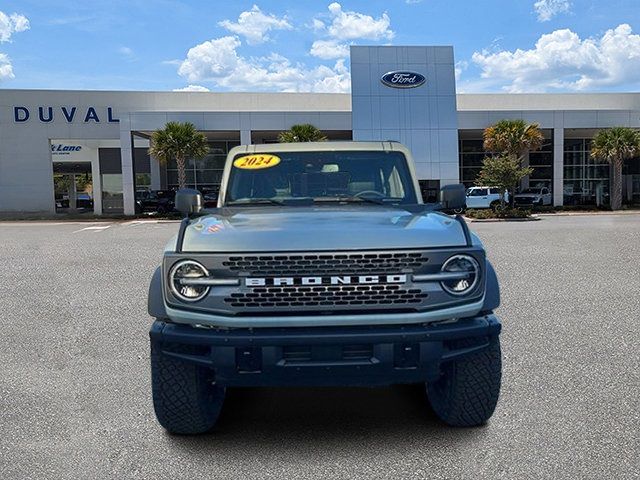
[484,197]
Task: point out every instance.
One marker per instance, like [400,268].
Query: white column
[96,184]
[245,137]
[126,159]
[558,166]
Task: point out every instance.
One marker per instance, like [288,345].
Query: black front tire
[467,392]
[185,399]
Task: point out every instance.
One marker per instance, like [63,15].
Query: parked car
[84,200]
[537,196]
[210,197]
[484,197]
[159,201]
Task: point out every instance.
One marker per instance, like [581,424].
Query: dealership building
[66,150]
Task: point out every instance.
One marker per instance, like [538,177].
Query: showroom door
[73,187]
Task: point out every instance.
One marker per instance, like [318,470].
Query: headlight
[468,274]
[179,281]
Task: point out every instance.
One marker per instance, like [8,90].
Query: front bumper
[350,355]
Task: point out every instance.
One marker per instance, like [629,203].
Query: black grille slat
[342,264]
[326,296]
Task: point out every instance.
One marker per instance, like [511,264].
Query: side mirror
[453,197]
[188,201]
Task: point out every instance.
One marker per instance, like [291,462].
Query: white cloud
[460,67]
[6,70]
[343,28]
[10,24]
[317,25]
[547,9]
[218,61]
[353,25]
[254,25]
[192,88]
[561,60]
[329,49]
[127,53]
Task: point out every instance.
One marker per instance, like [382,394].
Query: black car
[159,201]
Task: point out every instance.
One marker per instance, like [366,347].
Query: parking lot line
[97,228]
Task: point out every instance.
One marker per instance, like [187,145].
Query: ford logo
[401,79]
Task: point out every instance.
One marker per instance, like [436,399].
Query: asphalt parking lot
[75,389]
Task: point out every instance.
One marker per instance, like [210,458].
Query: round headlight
[181,282]
[469,273]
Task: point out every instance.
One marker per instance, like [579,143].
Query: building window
[542,163]
[472,155]
[205,174]
[586,181]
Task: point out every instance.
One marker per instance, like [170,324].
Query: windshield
[290,177]
[531,190]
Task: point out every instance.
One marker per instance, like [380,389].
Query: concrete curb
[492,220]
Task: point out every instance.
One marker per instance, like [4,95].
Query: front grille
[321,264]
[327,296]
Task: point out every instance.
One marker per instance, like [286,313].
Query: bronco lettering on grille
[333,280]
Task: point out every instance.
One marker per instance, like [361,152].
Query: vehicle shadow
[307,419]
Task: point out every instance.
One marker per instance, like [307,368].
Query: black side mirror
[188,201]
[453,197]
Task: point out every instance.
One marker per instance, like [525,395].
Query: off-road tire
[467,392]
[184,397]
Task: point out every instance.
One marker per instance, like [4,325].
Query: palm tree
[301,133]
[178,141]
[513,139]
[615,145]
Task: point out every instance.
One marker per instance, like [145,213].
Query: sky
[509,46]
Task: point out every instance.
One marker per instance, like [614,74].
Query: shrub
[504,213]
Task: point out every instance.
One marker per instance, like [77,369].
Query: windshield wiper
[355,199]
[256,201]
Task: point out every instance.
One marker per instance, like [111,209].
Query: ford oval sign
[401,79]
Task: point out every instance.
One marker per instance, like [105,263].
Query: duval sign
[68,114]
[403,79]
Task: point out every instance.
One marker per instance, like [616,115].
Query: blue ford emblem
[402,79]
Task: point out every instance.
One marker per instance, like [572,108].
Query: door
[73,187]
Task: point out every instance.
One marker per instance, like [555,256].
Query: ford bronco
[321,265]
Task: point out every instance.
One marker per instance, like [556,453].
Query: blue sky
[281,45]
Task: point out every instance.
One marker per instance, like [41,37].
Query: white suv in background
[484,197]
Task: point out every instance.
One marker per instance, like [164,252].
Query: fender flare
[155,300]
[492,292]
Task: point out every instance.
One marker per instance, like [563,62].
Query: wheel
[184,397]
[467,392]
[458,210]
[495,206]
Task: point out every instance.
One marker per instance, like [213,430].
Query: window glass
[325,175]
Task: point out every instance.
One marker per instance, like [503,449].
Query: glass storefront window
[472,155]
[586,180]
[204,173]
[112,199]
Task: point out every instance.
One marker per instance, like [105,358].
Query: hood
[344,227]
